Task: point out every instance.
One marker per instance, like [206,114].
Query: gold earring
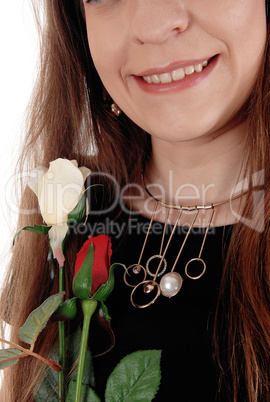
[115,109]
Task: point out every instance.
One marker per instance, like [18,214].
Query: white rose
[59,190]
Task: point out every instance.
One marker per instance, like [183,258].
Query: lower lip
[187,82]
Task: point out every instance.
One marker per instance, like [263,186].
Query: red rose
[92,266]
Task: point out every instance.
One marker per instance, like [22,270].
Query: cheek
[106,39]
[242,37]
[99,48]
[246,52]
[108,60]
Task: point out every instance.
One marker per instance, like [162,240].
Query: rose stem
[62,345]
[88,307]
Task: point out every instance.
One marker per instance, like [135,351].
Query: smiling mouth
[176,75]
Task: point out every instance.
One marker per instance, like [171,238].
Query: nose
[156,21]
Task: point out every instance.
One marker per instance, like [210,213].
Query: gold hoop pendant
[136,270]
[190,262]
[148,287]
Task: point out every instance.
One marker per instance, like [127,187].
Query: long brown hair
[69,117]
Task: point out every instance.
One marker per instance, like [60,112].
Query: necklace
[145,282]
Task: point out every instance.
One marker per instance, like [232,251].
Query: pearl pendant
[170,284]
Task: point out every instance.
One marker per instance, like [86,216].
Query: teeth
[178,74]
[155,79]
[198,68]
[175,75]
[165,78]
[189,70]
[148,79]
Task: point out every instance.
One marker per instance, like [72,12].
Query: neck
[204,170]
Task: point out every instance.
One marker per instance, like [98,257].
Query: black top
[180,326]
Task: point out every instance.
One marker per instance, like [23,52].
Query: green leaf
[82,281]
[106,289]
[6,355]
[41,229]
[38,319]
[136,378]
[79,212]
[87,395]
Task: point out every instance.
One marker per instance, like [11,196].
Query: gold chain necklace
[137,276]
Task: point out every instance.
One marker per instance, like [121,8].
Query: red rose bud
[92,266]
[66,311]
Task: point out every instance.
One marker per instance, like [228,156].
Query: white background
[18,44]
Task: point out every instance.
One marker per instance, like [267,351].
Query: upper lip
[172,66]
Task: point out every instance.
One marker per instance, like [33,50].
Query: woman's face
[145,52]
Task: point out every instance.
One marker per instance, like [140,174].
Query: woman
[191,79]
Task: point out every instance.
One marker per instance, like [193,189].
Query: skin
[196,131]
